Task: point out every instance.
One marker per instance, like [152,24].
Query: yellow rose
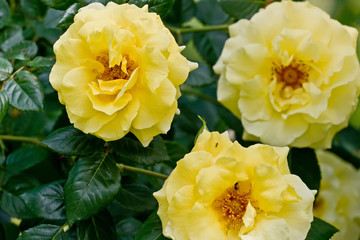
[291,74]
[338,201]
[221,190]
[118,70]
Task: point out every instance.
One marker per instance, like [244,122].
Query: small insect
[236,186]
[216,144]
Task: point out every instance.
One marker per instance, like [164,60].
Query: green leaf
[24,92]
[303,162]
[8,230]
[133,151]
[25,157]
[70,141]
[23,50]
[58,4]
[4,12]
[5,68]
[128,228]
[68,17]
[4,103]
[175,150]
[241,8]
[346,144]
[321,230]
[44,232]
[136,197]
[161,7]
[210,12]
[210,45]
[182,11]
[92,184]
[14,206]
[151,229]
[46,201]
[98,227]
[201,76]
[41,62]
[10,36]
[33,8]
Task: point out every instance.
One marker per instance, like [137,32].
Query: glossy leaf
[210,12]
[346,144]
[22,51]
[182,11]
[98,227]
[44,232]
[303,162]
[241,8]
[210,45]
[151,229]
[92,184]
[321,230]
[132,150]
[46,201]
[41,62]
[14,206]
[4,103]
[128,228]
[201,76]
[4,12]
[25,157]
[10,36]
[5,68]
[136,197]
[24,91]
[70,141]
[68,17]
[161,7]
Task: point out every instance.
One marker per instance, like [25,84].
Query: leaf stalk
[123,167]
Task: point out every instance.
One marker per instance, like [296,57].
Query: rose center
[122,71]
[293,75]
[231,205]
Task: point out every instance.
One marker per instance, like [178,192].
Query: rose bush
[291,74]
[338,201]
[117,74]
[221,190]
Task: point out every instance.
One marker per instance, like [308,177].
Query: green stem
[223,27]
[20,139]
[12,75]
[123,167]
[189,91]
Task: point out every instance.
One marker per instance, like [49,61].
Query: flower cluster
[221,190]
[291,74]
[118,70]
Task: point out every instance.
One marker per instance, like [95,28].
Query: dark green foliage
[92,184]
[97,227]
[64,184]
[136,197]
[70,141]
[24,92]
[130,149]
[347,144]
[321,230]
[151,229]
[241,8]
[303,162]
